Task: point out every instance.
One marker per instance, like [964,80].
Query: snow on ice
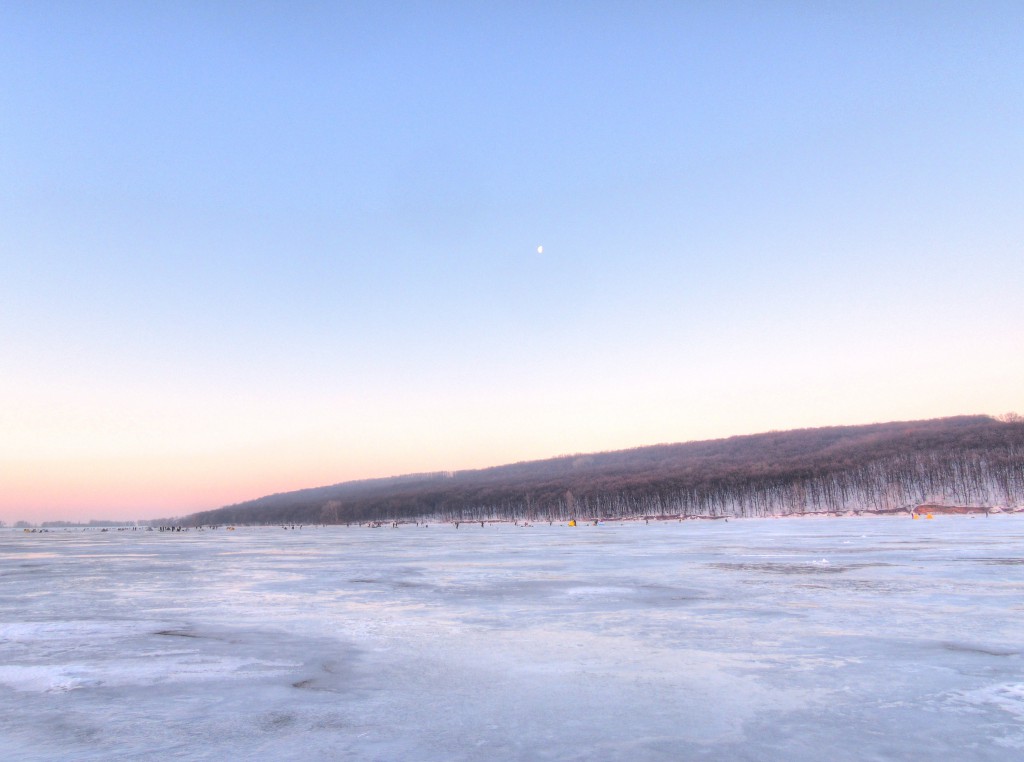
[845,639]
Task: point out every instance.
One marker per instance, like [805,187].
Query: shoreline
[925,510]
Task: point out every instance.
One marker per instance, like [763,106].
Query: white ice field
[789,639]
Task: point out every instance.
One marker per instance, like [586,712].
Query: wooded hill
[965,461]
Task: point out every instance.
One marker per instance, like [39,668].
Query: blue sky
[251,247]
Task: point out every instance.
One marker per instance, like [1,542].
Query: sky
[247,248]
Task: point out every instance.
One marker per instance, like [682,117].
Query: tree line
[967,460]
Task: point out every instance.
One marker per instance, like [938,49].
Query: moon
[540,249]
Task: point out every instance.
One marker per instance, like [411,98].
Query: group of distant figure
[376,524]
[572,522]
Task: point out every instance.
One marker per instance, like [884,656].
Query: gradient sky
[252,247]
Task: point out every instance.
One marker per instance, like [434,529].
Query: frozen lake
[838,639]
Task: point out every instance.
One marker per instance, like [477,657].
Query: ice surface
[839,639]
